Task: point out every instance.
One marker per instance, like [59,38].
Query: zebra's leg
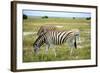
[54,52]
[71,51]
[47,47]
[53,49]
[71,46]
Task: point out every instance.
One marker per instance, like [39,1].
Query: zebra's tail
[75,44]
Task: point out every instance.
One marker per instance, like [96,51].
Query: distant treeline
[45,17]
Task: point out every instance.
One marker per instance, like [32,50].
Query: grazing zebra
[44,29]
[51,38]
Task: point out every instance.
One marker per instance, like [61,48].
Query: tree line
[45,17]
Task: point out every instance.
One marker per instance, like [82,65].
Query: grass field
[32,24]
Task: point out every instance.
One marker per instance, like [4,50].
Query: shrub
[25,16]
[45,17]
[88,18]
[73,17]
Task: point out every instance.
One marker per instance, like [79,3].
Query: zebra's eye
[36,45]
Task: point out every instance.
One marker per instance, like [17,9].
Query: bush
[73,17]
[25,16]
[88,18]
[45,17]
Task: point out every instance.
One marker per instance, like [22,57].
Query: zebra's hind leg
[71,51]
[71,46]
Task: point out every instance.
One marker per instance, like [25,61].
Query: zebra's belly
[58,43]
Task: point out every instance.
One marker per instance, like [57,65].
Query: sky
[56,13]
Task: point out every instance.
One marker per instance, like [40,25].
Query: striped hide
[51,38]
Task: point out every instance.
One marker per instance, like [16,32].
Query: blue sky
[56,14]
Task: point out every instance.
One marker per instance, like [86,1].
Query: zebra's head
[36,48]
[38,43]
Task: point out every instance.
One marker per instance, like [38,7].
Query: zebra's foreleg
[47,47]
[53,49]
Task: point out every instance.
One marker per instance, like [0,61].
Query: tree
[73,17]
[88,18]
[25,16]
[45,17]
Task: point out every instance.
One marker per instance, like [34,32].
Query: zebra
[45,28]
[52,38]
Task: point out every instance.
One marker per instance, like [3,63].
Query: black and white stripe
[44,29]
[57,38]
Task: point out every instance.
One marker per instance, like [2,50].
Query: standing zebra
[44,29]
[51,38]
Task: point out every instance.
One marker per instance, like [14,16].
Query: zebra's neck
[41,40]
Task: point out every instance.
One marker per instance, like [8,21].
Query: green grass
[63,52]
